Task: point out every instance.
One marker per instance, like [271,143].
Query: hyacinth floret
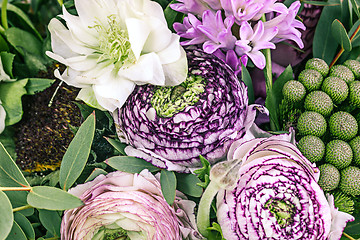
[214,24]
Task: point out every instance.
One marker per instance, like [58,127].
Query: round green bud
[312,147]
[319,65]
[311,123]
[350,180]
[343,125]
[338,153]
[354,66]
[342,72]
[336,88]
[293,91]
[354,93]
[311,79]
[319,101]
[329,177]
[355,146]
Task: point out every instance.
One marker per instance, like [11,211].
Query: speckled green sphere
[312,147]
[319,65]
[354,93]
[336,88]
[338,153]
[342,72]
[311,79]
[350,180]
[311,123]
[354,66]
[319,101]
[329,177]
[355,146]
[342,125]
[293,91]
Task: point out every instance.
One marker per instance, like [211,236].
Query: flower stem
[22,208]
[15,188]
[4,14]
[203,214]
[61,2]
[342,49]
[348,236]
[268,75]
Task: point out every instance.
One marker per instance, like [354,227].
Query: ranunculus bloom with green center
[276,195]
[128,206]
[112,45]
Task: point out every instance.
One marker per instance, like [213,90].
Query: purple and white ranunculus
[276,195]
[111,46]
[171,126]
[128,206]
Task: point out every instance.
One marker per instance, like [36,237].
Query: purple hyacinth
[253,40]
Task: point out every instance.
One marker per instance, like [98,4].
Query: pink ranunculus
[130,206]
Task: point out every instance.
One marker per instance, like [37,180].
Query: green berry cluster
[327,127]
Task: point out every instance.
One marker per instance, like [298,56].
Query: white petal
[58,46]
[138,32]
[92,12]
[159,37]
[152,8]
[83,33]
[148,69]
[62,41]
[113,94]
[176,72]
[82,63]
[172,52]
[2,118]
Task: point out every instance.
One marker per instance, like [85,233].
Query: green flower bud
[311,79]
[336,88]
[342,72]
[312,147]
[350,180]
[343,125]
[294,91]
[354,66]
[311,123]
[354,93]
[319,65]
[319,101]
[338,153]
[329,177]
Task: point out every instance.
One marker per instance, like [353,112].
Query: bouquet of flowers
[183,119]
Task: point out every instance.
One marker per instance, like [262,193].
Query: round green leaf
[168,185]
[7,217]
[16,233]
[25,225]
[51,198]
[51,220]
[130,164]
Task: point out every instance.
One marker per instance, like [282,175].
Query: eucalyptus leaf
[324,44]
[274,97]
[8,140]
[246,78]
[51,198]
[117,145]
[10,174]
[35,85]
[51,220]
[355,7]
[130,164]
[11,93]
[25,225]
[355,41]
[16,233]
[76,156]
[188,184]
[7,217]
[19,199]
[23,16]
[339,33]
[22,40]
[168,185]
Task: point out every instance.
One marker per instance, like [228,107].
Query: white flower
[112,45]
[2,118]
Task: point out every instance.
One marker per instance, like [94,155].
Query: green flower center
[111,234]
[282,210]
[114,44]
[167,101]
